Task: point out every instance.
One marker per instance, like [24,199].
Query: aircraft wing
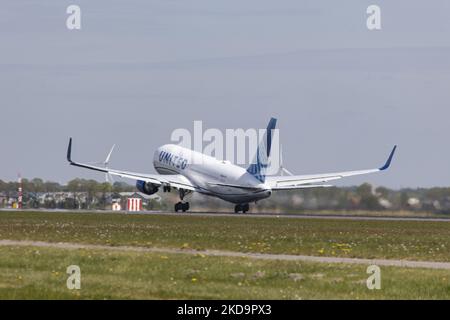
[173,180]
[311,180]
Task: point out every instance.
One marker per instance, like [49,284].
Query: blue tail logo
[261,162]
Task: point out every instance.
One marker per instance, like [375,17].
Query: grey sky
[137,70]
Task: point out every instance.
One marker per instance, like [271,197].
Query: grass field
[41,273]
[413,240]
[32,272]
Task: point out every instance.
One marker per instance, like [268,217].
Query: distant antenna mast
[20,197]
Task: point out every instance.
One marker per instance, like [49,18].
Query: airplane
[190,171]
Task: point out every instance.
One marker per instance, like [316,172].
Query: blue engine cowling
[146,187]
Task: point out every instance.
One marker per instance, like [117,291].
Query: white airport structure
[134,204]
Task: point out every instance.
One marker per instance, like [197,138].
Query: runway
[224,253]
[299,216]
[249,215]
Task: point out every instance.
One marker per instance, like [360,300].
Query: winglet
[109,156]
[69,151]
[388,162]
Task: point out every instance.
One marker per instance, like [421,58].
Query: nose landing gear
[241,207]
[182,206]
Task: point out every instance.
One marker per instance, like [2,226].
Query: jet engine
[146,187]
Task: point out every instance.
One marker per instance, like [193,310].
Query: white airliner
[189,171]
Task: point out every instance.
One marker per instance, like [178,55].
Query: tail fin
[261,162]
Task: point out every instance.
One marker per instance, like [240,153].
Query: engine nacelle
[146,187]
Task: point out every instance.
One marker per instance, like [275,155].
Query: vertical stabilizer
[261,160]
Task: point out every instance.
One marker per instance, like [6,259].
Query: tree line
[363,197]
[38,185]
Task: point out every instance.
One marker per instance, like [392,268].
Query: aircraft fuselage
[211,176]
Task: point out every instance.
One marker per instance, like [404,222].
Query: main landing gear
[241,207]
[182,206]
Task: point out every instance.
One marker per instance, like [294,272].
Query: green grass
[414,240]
[40,273]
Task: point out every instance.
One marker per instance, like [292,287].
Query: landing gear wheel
[241,207]
[181,206]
